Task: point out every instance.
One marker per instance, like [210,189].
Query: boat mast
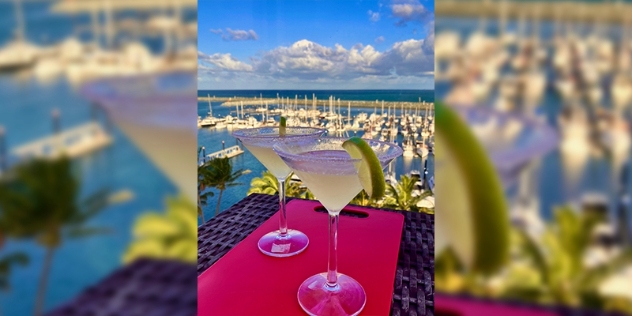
[19,16]
[349,112]
[109,27]
[210,109]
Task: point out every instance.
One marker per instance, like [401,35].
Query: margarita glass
[331,174]
[148,109]
[259,141]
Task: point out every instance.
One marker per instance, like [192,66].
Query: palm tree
[8,261]
[400,196]
[221,176]
[548,268]
[166,235]
[39,199]
[204,182]
[6,264]
[557,259]
[268,184]
[363,199]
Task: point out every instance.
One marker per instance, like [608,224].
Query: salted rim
[315,132]
[381,157]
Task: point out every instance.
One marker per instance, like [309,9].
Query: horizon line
[311,89]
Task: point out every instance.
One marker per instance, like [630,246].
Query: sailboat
[19,53]
[348,125]
[332,115]
[408,148]
[209,120]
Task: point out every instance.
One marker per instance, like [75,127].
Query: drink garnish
[282,126]
[369,169]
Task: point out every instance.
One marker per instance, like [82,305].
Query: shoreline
[235,101]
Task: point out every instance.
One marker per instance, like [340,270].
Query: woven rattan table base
[144,288]
[414,278]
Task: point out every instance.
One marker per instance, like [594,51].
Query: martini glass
[331,174]
[259,141]
[512,141]
[154,112]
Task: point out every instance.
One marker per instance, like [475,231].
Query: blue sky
[315,44]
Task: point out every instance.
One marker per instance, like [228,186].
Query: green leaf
[154,225]
[168,235]
[144,248]
[6,265]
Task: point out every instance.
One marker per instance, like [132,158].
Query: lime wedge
[471,216]
[369,169]
[282,126]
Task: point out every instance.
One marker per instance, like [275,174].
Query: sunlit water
[121,166]
[25,113]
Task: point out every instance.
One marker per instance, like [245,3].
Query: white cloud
[304,59]
[409,11]
[408,58]
[374,16]
[222,62]
[363,60]
[379,40]
[307,61]
[236,35]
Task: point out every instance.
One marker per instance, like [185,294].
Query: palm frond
[166,235]
[533,251]
[6,265]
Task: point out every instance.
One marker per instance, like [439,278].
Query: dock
[229,152]
[74,142]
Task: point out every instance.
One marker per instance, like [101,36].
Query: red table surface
[247,282]
[451,306]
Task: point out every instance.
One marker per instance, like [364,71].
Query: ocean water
[25,113]
[121,166]
[212,138]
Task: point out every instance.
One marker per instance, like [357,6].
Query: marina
[48,50]
[314,102]
[116,164]
[78,60]
[415,122]
[529,67]
[546,89]
[411,128]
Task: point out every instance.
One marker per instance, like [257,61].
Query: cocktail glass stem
[282,218]
[332,266]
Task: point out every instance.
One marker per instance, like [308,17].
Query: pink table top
[247,282]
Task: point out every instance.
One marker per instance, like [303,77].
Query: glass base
[317,298]
[275,245]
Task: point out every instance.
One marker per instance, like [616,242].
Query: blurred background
[96,119]
[544,90]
